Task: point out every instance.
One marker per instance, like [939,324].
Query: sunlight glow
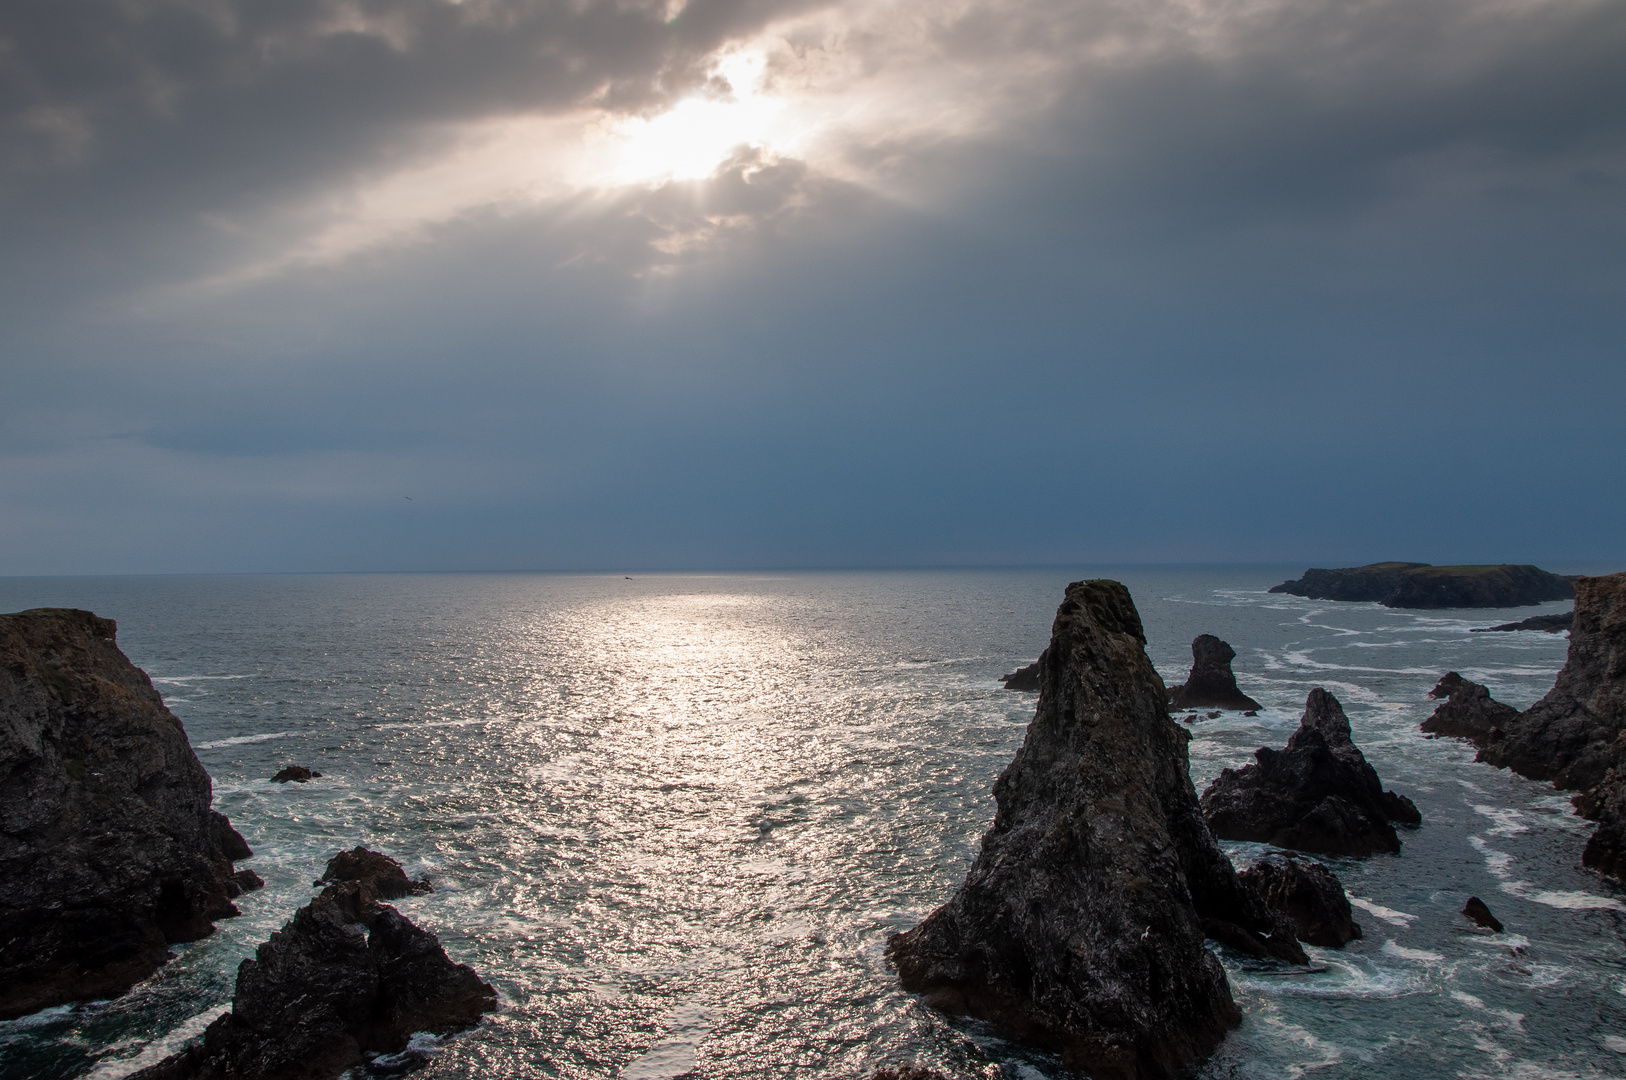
[691,139]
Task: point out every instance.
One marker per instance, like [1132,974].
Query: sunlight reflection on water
[674,819]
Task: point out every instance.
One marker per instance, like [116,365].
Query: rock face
[1025,678]
[1568,736]
[1551,624]
[1605,803]
[109,850]
[1211,685]
[1309,894]
[1318,794]
[295,774]
[1080,926]
[1469,711]
[1419,585]
[347,976]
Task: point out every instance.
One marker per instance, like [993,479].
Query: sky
[319,285]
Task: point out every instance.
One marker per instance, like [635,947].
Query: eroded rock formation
[109,850]
[381,875]
[1419,585]
[1317,794]
[1081,924]
[1309,894]
[1469,712]
[348,976]
[1025,678]
[1477,913]
[295,774]
[1211,685]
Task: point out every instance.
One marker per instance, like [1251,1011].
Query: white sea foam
[673,1056]
[1388,915]
[1506,818]
[1422,956]
[240,740]
[158,1049]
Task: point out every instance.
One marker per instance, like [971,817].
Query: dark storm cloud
[1125,280]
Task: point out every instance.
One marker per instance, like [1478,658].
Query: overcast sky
[335,285]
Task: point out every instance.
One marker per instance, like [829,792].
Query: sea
[673,818]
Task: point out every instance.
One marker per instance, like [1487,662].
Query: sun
[697,134]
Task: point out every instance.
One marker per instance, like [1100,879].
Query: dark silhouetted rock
[109,851]
[1605,803]
[907,1072]
[1309,894]
[1476,910]
[295,774]
[1210,684]
[1080,926]
[1318,794]
[1568,736]
[348,976]
[1551,624]
[1469,711]
[1026,678]
[379,874]
[1419,585]
[244,881]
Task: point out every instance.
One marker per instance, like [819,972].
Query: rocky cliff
[1081,923]
[1211,684]
[109,850]
[1419,585]
[1568,736]
[347,977]
[1317,794]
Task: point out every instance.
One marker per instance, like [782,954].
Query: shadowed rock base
[346,977]
[1310,895]
[1469,712]
[1080,927]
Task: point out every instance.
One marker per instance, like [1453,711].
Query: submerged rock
[1025,678]
[1476,910]
[1317,794]
[376,872]
[1551,624]
[1469,711]
[1080,926]
[109,851]
[295,774]
[1419,585]
[1211,683]
[1309,894]
[345,978]
[907,1072]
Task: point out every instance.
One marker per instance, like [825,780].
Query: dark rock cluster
[348,977]
[1419,585]
[109,849]
[1317,794]
[1469,712]
[1480,915]
[380,874]
[1551,624]
[1211,684]
[1309,894]
[296,774]
[1081,924]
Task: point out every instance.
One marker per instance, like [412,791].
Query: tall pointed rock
[1080,926]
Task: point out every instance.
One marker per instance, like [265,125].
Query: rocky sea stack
[1310,894]
[1080,926]
[109,850]
[1469,712]
[1211,685]
[1317,794]
[1419,585]
[348,978]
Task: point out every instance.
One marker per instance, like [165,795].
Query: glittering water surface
[673,819]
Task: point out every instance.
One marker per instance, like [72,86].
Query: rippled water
[674,818]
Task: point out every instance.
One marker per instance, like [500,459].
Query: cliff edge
[109,851]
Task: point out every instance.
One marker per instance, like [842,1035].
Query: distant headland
[1420,585]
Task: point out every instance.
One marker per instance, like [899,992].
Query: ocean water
[673,818]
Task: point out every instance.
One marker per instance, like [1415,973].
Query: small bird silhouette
[408,498]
